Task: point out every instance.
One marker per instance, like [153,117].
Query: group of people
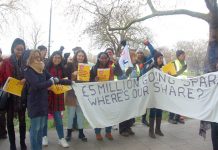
[38,74]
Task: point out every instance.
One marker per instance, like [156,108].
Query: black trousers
[214,135]
[126,125]
[10,124]
[3,131]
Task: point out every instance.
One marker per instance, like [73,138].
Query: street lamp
[49,36]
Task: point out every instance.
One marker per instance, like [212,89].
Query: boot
[157,129]
[82,135]
[11,135]
[69,134]
[22,129]
[151,128]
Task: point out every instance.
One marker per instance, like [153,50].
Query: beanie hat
[179,52]
[16,42]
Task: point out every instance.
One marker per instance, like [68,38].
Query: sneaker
[109,136]
[63,143]
[172,121]
[99,137]
[45,141]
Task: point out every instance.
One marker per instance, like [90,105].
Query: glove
[52,80]
[123,43]
[128,71]
[56,80]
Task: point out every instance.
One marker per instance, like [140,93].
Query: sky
[167,30]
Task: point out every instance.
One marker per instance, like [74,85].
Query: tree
[9,8]
[116,13]
[35,35]
[211,18]
[195,51]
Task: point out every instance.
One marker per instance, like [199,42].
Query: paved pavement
[177,137]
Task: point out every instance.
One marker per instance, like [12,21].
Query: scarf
[38,67]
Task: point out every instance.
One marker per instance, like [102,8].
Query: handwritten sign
[169,68]
[60,89]
[83,72]
[13,86]
[103,74]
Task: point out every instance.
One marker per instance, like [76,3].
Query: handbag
[3,99]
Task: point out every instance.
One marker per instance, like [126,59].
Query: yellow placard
[169,68]
[103,74]
[83,72]
[13,86]
[60,89]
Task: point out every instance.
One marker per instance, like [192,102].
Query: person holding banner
[73,108]
[56,101]
[143,63]
[16,106]
[114,63]
[156,114]
[181,73]
[95,76]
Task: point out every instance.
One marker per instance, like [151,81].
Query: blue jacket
[148,59]
[37,98]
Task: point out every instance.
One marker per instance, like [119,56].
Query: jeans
[214,135]
[36,132]
[58,125]
[71,110]
[107,130]
[155,113]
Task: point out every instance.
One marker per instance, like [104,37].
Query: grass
[51,124]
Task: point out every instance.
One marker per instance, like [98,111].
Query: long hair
[98,62]
[75,56]
[16,42]
[50,61]
[32,56]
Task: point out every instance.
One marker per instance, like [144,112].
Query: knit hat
[179,52]
[16,42]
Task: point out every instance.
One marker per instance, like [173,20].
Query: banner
[83,72]
[109,103]
[103,74]
[13,86]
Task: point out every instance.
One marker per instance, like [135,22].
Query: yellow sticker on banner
[83,72]
[169,68]
[13,86]
[103,74]
[60,89]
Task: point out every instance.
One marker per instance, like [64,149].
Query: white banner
[109,103]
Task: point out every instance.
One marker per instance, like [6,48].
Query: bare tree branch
[156,13]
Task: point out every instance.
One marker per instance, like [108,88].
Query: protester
[56,101]
[131,72]
[16,106]
[113,62]
[71,99]
[43,52]
[3,132]
[38,81]
[143,63]
[156,114]
[211,65]
[102,63]
[181,73]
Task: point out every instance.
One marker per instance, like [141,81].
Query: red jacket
[55,102]
[6,70]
